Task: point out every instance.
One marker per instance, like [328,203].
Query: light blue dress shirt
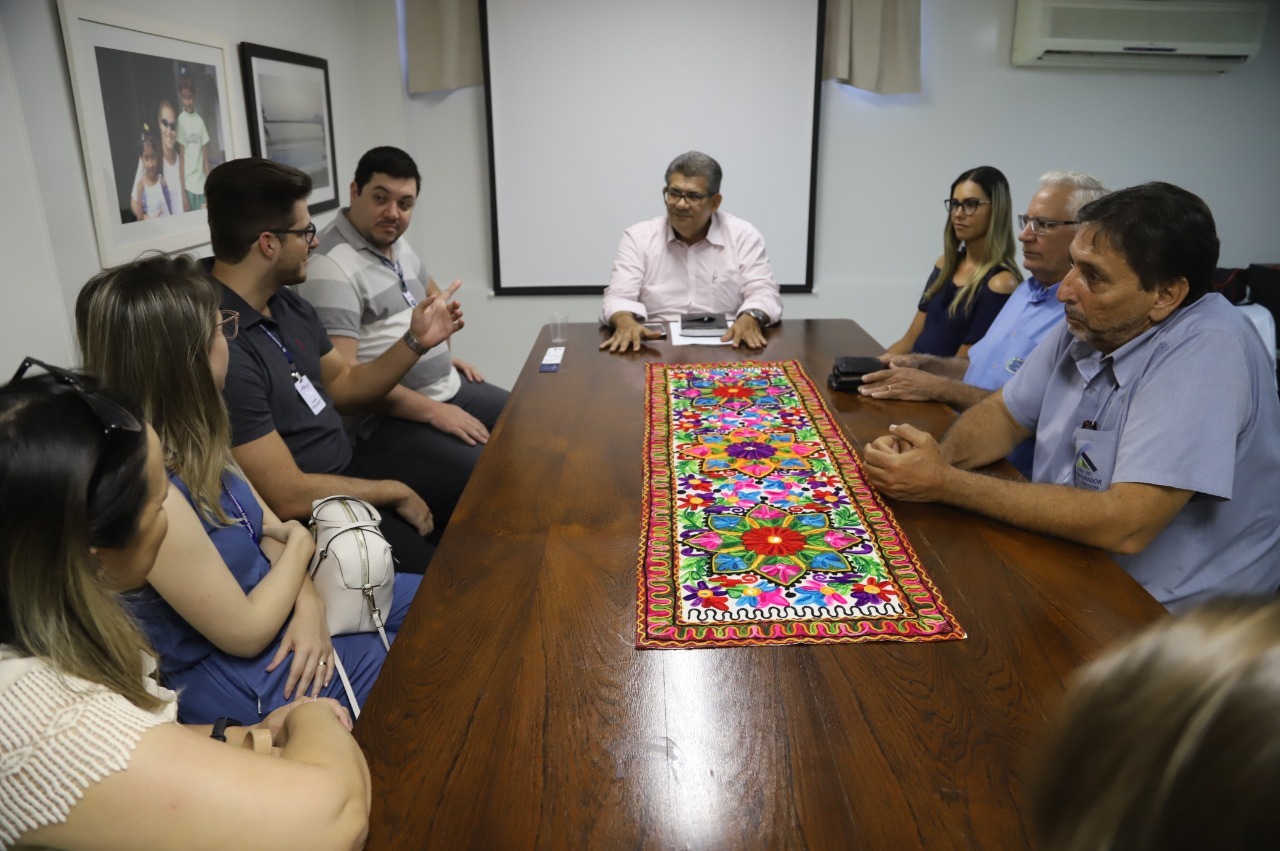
[1187,404]
[1031,312]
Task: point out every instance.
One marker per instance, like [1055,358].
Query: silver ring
[888,387]
[320,664]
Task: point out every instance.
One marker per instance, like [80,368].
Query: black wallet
[703,324]
[848,371]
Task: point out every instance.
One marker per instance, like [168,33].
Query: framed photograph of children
[152,102]
[290,117]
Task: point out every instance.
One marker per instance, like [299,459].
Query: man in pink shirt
[695,259]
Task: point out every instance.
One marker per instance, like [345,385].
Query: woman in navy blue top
[975,274]
[228,607]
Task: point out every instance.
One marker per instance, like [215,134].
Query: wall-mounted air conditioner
[1149,35]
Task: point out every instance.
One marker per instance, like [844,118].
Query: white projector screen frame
[589,100]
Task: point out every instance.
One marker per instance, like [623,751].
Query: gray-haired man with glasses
[1031,312]
[695,259]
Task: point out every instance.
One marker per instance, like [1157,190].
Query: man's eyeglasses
[111,415]
[675,196]
[308,233]
[969,205]
[229,323]
[1040,227]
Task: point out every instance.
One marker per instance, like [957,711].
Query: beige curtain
[442,44]
[874,45]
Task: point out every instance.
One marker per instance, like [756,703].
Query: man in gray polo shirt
[363,282]
[1157,425]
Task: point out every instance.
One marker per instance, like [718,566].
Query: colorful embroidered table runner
[759,527]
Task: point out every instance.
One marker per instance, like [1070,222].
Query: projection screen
[589,100]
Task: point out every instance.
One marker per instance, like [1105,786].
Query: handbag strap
[346,684]
[339,527]
[369,527]
[376,613]
[374,514]
[342,673]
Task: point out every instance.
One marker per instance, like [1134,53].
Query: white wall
[36,323]
[884,166]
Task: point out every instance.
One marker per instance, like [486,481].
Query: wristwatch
[758,315]
[220,726]
[413,344]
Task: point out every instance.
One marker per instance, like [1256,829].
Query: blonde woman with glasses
[237,623]
[92,757]
[976,273]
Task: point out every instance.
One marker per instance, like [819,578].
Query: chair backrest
[1263,282]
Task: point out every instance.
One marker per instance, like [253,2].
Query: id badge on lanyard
[301,383]
[308,393]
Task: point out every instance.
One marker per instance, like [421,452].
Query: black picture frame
[290,112]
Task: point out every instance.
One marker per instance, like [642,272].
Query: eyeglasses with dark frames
[308,233]
[229,323]
[675,196]
[1040,227]
[111,415]
[969,205]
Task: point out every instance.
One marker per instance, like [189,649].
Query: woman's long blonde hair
[999,248]
[147,326]
[68,483]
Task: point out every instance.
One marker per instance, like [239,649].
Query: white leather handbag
[353,571]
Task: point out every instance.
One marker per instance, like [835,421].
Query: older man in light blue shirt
[1157,426]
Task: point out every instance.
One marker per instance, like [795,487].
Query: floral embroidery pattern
[773,544]
[759,525]
[751,451]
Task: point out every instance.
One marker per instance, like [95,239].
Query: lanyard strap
[399,272]
[244,515]
[293,367]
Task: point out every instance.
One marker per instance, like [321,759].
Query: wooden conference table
[515,712]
